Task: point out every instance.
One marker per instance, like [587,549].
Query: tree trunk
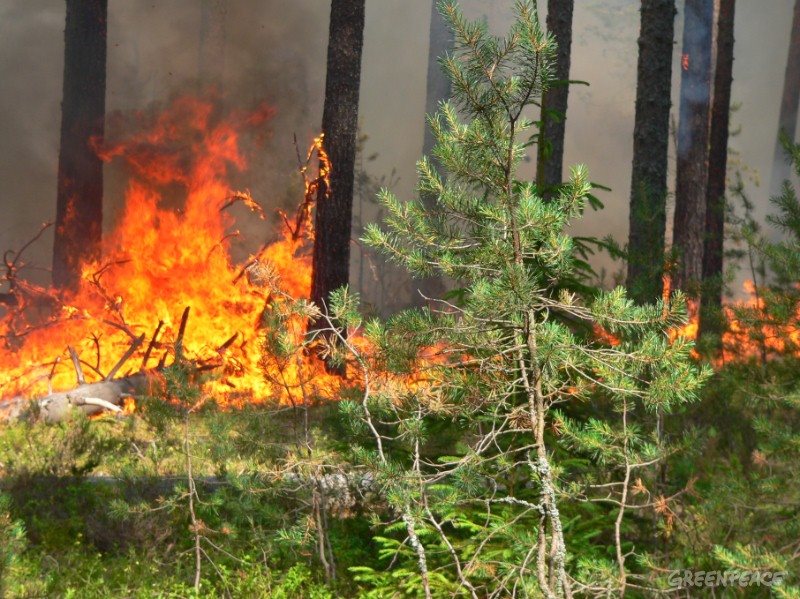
[331,260]
[693,128]
[550,156]
[442,41]
[717,171]
[787,121]
[213,15]
[79,209]
[648,212]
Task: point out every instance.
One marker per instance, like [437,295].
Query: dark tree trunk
[442,41]
[213,14]
[693,128]
[554,101]
[648,213]
[339,124]
[79,209]
[787,121]
[717,171]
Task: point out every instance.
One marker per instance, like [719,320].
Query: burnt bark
[331,260]
[550,155]
[648,212]
[787,121]
[693,131]
[79,208]
[717,171]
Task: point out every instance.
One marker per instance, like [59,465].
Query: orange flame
[159,260]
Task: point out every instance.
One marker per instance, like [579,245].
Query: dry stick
[181,333]
[453,554]
[56,362]
[151,345]
[96,401]
[192,514]
[623,579]
[11,265]
[121,327]
[125,357]
[77,364]
[228,343]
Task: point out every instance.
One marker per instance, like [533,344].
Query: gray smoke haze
[275,51]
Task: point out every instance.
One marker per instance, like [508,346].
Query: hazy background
[275,51]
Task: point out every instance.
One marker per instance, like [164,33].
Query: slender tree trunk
[648,212]
[693,129]
[213,14]
[79,208]
[787,121]
[717,170]
[331,260]
[550,157]
[442,41]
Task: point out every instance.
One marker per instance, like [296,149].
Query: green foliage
[748,517]
[552,392]
[12,544]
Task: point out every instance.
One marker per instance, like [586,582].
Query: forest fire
[160,261]
[748,333]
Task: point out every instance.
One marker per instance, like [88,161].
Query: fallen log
[89,398]
[108,394]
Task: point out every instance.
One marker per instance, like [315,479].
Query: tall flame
[159,260]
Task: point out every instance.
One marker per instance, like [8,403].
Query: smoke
[275,51]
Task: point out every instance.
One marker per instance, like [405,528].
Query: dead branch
[245,198]
[151,345]
[125,357]
[181,332]
[77,364]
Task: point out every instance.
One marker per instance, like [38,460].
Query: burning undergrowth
[166,261]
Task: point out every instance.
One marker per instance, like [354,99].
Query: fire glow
[158,261]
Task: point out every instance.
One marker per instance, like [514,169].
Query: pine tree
[550,159]
[331,261]
[717,172]
[692,150]
[502,369]
[648,212]
[79,206]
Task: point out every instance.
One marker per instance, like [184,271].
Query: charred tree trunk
[787,121]
[717,172]
[693,128]
[648,208]
[79,209]
[331,260]
[550,157]
[442,41]
[213,14]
